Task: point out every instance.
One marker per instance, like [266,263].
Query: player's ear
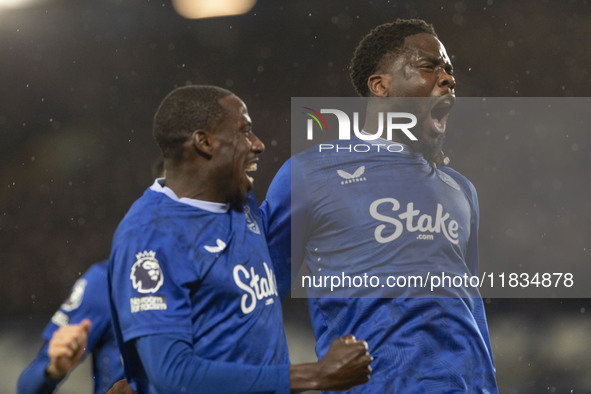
[203,142]
[378,85]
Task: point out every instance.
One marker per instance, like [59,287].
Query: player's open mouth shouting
[439,112]
[251,166]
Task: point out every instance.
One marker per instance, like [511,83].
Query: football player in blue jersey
[398,215]
[81,326]
[193,292]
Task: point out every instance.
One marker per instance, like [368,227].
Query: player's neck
[191,184]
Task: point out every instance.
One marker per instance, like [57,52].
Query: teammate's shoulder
[87,299]
[151,207]
[463,183]
[313,153]
[457,176]
[99,269]
[251,202]
[143,205]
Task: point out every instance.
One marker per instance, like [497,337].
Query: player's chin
[239,197]
[237,205]
[429,145]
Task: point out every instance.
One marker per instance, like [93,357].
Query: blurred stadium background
[81,79]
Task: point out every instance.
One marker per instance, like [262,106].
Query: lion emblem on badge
[146,275]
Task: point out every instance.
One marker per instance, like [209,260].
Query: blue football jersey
[201,275]
[89,299]
[390,215]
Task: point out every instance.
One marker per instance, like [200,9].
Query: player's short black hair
[183,111]
[377,47]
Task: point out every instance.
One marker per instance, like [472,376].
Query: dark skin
[340,369]
[214,162]
[213,168]
[346,364]
[422,68]
[121,387]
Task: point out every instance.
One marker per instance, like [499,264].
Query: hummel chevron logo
[350,178]
[221,245]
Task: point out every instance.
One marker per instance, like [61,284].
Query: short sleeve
[151,284]
[88,299]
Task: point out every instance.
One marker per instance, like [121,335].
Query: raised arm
[66,348]
[55,359]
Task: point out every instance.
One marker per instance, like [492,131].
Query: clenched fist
[66,347]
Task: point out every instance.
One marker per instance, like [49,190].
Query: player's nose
[257,145]
[446,81]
